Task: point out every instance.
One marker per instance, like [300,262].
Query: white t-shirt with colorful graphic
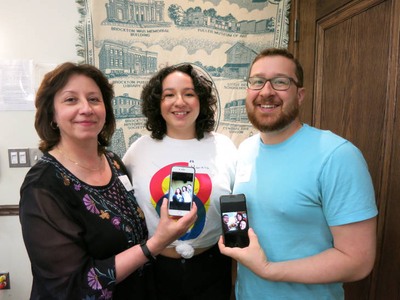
[149,163]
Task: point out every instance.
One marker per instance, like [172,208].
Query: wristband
[147,252]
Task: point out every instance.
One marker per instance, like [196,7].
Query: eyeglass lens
[277,83]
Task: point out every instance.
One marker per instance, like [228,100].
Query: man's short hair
[284,53]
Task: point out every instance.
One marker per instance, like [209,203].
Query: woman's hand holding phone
[169,230]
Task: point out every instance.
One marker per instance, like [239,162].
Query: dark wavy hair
[44,102]
[284,53]
[151,101]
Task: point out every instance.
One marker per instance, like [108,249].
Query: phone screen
[181,190]
[235,221]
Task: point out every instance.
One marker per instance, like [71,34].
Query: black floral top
[72,232]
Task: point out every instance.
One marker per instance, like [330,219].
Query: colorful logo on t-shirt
[159,188]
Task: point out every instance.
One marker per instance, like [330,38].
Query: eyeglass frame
[269,79]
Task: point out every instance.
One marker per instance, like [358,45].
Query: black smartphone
[181,189]
[235,220]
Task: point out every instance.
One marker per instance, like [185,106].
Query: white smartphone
[181,190]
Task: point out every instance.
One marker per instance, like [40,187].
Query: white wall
[42,31]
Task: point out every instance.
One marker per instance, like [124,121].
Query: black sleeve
[61,267]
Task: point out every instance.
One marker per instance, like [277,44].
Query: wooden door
[355,95]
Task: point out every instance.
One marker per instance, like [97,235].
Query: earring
[53,125]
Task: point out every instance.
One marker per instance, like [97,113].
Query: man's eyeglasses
[280,83]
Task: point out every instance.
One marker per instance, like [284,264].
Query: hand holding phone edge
[252,257]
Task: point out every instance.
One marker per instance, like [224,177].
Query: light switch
[22,157]
[18,158]
[13,158]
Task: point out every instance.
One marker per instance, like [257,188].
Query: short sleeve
[346,187]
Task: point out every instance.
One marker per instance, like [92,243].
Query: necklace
[90,169]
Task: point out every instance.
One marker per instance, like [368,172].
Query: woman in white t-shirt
[180,107]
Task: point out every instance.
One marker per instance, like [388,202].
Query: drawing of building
[208,18]
[135,13]
[238,62]
[247,26]
[266,25]
[127,107]
[196,18]
[118,60]
[235,111]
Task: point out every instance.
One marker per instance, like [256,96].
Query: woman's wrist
[154,246]
[146,251]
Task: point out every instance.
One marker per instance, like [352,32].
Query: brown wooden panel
[352,102]
[387,272]
[386,282]
[351,94]
[325,7]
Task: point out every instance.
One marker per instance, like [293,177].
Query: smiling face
[226,218]
[79,110]
[243,224]
[270,110]
[180,106]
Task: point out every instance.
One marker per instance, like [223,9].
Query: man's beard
[284,119]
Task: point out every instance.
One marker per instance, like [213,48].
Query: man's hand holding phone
[252,257]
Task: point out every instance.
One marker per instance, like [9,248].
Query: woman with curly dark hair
[152,98]
[180,107]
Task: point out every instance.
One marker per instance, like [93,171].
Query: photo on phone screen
[235,221]
[181,189]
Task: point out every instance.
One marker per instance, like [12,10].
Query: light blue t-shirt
[296,190]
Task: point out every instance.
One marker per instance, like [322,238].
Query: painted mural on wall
[129,40]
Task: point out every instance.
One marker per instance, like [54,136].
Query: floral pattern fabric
[72,232]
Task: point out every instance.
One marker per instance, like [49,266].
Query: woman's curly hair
[151,101]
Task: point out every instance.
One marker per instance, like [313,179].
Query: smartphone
[181,190]
[235,220]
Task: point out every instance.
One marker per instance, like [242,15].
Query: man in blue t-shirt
[310,198]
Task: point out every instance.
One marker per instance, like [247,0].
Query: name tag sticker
[243,173]
[125,181]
